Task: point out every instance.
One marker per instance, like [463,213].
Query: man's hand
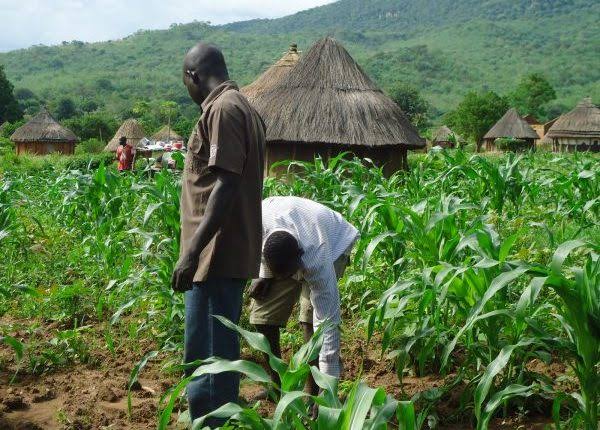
[183,275]
[259,288]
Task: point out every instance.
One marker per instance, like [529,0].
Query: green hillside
[442,47]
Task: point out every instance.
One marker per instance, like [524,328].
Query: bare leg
[271,332]
[311,386]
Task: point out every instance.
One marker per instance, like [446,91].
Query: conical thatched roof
[443,134]
[583,121]
[132,130]
[511,125]
[166,133]
[43,128]
[328,99]
[273,74]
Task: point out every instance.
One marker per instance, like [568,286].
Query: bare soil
[93,396]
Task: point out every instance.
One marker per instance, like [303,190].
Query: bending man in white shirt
[306,248]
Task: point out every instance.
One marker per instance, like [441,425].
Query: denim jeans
[206,337]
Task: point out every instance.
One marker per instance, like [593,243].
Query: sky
[49,22]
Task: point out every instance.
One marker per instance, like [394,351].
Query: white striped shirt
[324,236]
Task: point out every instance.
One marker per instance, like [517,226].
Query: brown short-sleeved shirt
[229,135]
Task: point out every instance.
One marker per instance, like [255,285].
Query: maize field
[472,300]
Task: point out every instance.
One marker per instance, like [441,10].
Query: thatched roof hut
[577,130]
[444,137]
[42,134]
[510,125]
[326,104]
[273,74]
[166,134]
[132,130]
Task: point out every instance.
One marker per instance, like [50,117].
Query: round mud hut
[273,74]
[326,105]
[43,135]
[577,130]
[444,137]
[166,134]
[511,125]
[132,130]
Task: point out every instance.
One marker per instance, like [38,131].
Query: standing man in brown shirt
[221,222]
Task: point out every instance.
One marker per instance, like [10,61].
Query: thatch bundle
[273,74]
[166,134]
[132,130]
[328,99]
[511,125]
[583,121]
[43,128]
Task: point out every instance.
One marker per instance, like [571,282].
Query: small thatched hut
[444,137]
[326,105]
[577,130]
[132,130]
[42,135]
[273,74]
[166,134]
[511,125]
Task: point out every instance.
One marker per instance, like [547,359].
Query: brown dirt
[93,396]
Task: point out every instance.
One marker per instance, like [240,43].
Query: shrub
[90,146]
[511,144]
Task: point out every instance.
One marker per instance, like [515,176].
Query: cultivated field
[474,296]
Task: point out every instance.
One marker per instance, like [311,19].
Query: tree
[65,109]
[476,114]
[532,94]
[9,106]
[93,125]
[412,104]
[167,111]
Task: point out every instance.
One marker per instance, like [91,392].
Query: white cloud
[30,22]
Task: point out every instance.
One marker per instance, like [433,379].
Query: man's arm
[218,206]
[325,298]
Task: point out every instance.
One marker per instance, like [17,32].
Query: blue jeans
[206,337]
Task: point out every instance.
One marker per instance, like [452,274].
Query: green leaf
[329,418]
[562,252]
[490,373]
[150,210]
[226,411]
[15,344]
[283,404]
[514,390]
[372,245]
[329,385]
[507,246]
[252,370]
[358,405]
[258,342]
[406,416]
[135,373]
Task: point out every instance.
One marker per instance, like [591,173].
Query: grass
[470,267]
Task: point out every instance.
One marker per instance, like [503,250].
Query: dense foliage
[476,114]
[442,48]
[9,107]
[469,266]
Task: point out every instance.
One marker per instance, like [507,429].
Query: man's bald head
[204,69]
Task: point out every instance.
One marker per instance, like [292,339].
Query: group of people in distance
[291,248]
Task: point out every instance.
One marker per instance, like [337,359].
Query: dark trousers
[206,337]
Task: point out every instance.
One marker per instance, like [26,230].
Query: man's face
[287,272]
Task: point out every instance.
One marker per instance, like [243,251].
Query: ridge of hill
[442,47]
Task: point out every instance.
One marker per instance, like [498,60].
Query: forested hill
[442,47]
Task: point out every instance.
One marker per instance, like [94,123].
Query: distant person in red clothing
[125,155]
